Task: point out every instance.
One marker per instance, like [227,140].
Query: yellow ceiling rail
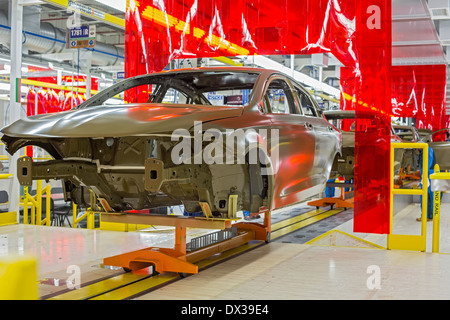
[228,61]
[48,85]
[89,12]
[54,86]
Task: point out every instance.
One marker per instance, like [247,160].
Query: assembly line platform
[337,264]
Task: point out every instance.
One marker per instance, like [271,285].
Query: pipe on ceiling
[49,39]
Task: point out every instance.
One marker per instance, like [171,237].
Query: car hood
[117,120]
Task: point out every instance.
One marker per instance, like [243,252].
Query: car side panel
[295,166]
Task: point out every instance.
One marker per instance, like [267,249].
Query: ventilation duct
[48,40]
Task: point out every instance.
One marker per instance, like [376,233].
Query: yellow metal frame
[36,205]
[89,214]
[401,241]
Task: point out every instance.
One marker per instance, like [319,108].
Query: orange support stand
[163,259]
[262,231]
[177,259]
[340,202]
[404,177]
[333,202]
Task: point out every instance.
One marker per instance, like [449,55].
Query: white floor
[405,222]
[293,271]
[274,271]
[56,248]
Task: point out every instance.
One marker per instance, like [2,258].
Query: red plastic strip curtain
[356,32]
[159,31]
[367,91]
[419,92]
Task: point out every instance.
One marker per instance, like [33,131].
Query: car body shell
[346,163]
[116,150]
[441,149]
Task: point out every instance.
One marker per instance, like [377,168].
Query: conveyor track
[133,284]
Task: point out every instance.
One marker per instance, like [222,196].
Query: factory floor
[348,266]
[321,270]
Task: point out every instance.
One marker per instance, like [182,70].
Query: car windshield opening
[224,88]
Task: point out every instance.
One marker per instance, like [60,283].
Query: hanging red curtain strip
[357,33]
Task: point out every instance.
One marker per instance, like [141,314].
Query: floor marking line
[130,284]
[303,223]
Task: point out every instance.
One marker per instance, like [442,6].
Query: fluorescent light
[7,87]
[116,4]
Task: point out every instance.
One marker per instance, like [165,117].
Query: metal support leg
[16,14]
[180,241]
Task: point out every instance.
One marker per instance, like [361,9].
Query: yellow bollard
[436,220]
[18,278]
[436,215]
[440,182]
[74,215]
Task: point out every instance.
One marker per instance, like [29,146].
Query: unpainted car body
[346,162]
[441,149]
[125,152]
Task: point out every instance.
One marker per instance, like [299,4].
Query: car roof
[220,69]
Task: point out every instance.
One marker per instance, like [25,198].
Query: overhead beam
[89,12]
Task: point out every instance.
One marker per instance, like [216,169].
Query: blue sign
[121,75]
[79,32]
[81,37]
[245,96]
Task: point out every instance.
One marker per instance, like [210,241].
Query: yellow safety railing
[89,215]
[440,182]
[402,241]
[7,218]
[36,206]
[35,203]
